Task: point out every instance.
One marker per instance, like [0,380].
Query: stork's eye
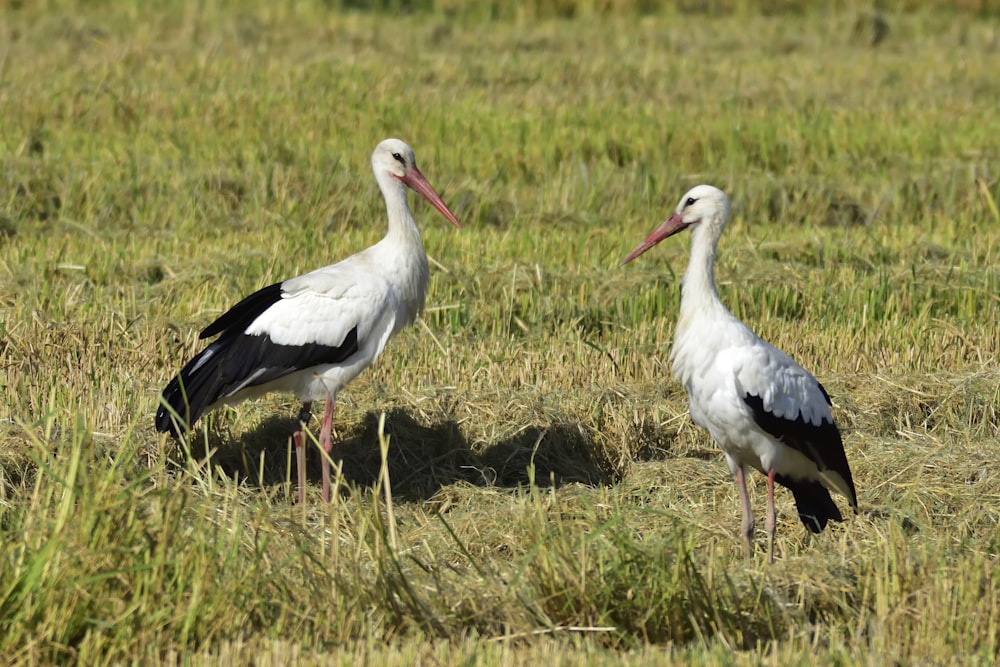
[690,202]
[399,159]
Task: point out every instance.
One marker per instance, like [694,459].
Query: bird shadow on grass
[422,459]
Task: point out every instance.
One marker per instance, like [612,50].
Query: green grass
[520,479]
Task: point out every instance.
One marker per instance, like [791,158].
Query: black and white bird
[313,334]
[764,410]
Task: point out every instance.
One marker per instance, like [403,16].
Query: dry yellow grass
[550,499]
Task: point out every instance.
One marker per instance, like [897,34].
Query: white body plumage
[763,409]
[313,334]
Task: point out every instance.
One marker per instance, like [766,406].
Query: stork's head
[394,159]
[703,206]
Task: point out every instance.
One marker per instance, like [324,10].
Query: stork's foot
[747,528]
[771,521]
[326,444]
[299,440]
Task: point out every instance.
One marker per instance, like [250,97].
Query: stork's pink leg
[771,522]
[326,443]
[299,438]
[747,525]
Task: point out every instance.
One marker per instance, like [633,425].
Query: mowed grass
[520,480]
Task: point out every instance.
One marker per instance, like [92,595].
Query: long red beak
[668,227]
[416,180]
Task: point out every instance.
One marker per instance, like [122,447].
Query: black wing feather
[237,361]
[238,318]
[812,500]
[826,396]
[820,444]
[224,367]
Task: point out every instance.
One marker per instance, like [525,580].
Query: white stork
[313,334]
[762,408]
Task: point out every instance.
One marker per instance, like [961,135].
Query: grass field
[520,478]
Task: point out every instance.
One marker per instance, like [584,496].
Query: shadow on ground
[422,459]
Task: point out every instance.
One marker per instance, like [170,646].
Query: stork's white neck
[401,251]
[402,228]
[698,292]
[703,316]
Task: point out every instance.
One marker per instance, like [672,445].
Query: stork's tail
[191,392]
[812,499]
